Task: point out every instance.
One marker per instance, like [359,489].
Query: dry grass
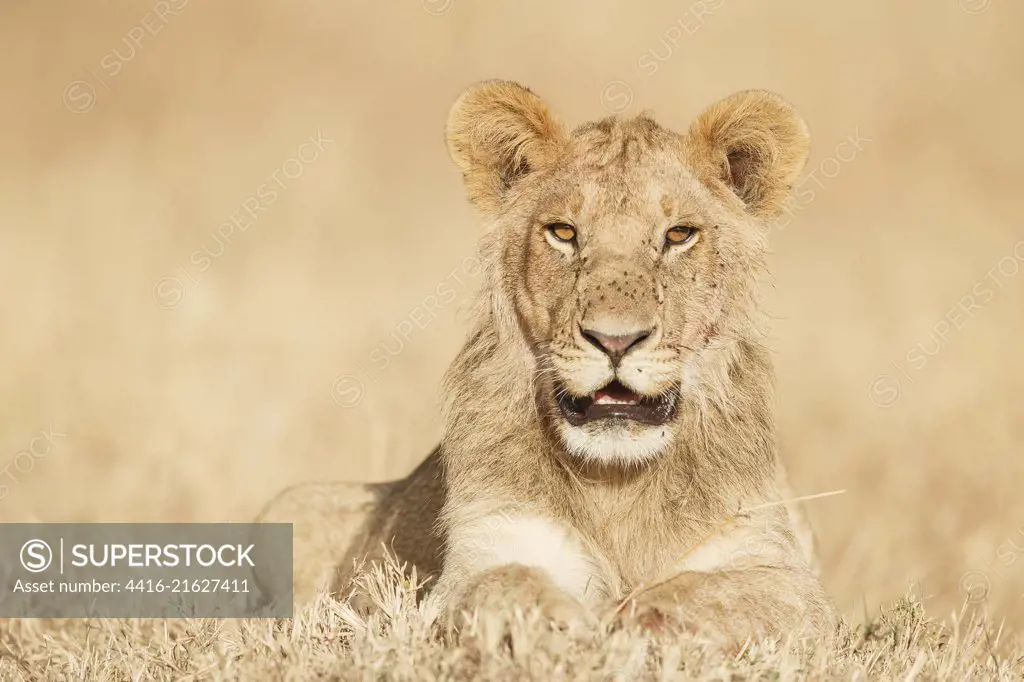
[331,641]
[199,412]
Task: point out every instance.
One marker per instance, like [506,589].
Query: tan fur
[340,526]
[516,507]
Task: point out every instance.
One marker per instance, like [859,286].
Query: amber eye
[680,234]
[562,232]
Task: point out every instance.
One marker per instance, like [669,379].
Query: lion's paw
[653,615]
[503,595]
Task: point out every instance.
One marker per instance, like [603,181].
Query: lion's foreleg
[730,606]
[749,580]
[512,558]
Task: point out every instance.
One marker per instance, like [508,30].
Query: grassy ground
[331,641]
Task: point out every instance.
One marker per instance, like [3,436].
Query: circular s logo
[975,6]
[438,7]
[347,390]
[79,97]
[169,292]
[36,556]
[616,96]
[884,390]
[974,587]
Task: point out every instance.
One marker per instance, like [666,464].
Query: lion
[609,443]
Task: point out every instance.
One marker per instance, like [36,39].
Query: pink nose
[615,346]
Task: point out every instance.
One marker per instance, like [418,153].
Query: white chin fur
[617,444]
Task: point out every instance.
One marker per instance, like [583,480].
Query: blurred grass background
[132,131]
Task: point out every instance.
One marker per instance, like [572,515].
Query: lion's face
[622,279]
[626,250]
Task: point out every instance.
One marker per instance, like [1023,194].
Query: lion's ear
[756,143]
[497,133]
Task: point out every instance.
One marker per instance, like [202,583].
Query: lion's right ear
[498,132]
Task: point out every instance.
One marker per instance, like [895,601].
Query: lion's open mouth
[615,401]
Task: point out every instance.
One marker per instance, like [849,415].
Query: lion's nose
[615,346]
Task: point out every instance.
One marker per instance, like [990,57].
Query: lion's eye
[680,234]
[562,232]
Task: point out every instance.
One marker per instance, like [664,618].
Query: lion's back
[337,526]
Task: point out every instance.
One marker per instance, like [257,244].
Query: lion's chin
[617,442]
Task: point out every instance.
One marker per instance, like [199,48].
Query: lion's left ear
[756,144]
[498,132]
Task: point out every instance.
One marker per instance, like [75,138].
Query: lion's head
[624,255]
